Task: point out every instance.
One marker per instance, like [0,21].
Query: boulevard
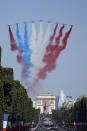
[46,123]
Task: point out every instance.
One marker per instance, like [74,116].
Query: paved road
[46,123]
[59,129]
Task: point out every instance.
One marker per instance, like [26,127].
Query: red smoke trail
[14,47]
[64,41]
[19,57]
[48,57]
[54,33]
[57,39]
[53,51]
[50,43]
[12,41]
[25,66]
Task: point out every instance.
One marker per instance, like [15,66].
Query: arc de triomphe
[45,98]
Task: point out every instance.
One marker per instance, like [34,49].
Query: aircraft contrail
[47,57]
[38,53]
[41,51]
[53,52]
[26,55]
[13,43]
[57,39]
[20,42]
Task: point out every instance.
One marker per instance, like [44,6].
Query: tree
[0,55]
[77,113]
[13,97]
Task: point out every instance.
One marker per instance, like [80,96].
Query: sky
[70,74]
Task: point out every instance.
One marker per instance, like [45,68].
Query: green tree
[76,113]
[13,97]
[0,55]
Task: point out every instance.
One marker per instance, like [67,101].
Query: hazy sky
[71,72]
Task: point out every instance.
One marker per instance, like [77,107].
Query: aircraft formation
[39,51]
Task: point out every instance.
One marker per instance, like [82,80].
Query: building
[46,102]
[57,101]
[34,104]
[69,102]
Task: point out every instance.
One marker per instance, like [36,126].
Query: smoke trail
[45,42]
[48,57]
[53,51]
[57,39]
[33,47]
[42,50]
[20,43]
[24,53]
[27,51]
[54,33]
[33,43]
[20,46]
[33,39]
[19,57]
[27,54]
[13,43]
[64,41]
[36,51]
[26,47]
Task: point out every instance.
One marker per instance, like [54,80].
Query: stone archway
[45,98]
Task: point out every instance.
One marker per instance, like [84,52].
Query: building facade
[69,102]
[47,100]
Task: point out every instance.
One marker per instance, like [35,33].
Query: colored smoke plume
[19,57]
[39,50]
[47,57]
[13,44]
[57,39]
[54,33]
[25,72]
[20,46]
[53,51]
[20,43]
[27,52]
[64,41]
[38,57]
[24,52]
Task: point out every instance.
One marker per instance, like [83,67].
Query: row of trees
[77,113]
[14,99]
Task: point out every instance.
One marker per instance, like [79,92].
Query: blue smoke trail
[26,47]
[20,43]
[27,51]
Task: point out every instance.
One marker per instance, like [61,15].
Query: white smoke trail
[33,42]
[39,51]
[36,51]
[45,42]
